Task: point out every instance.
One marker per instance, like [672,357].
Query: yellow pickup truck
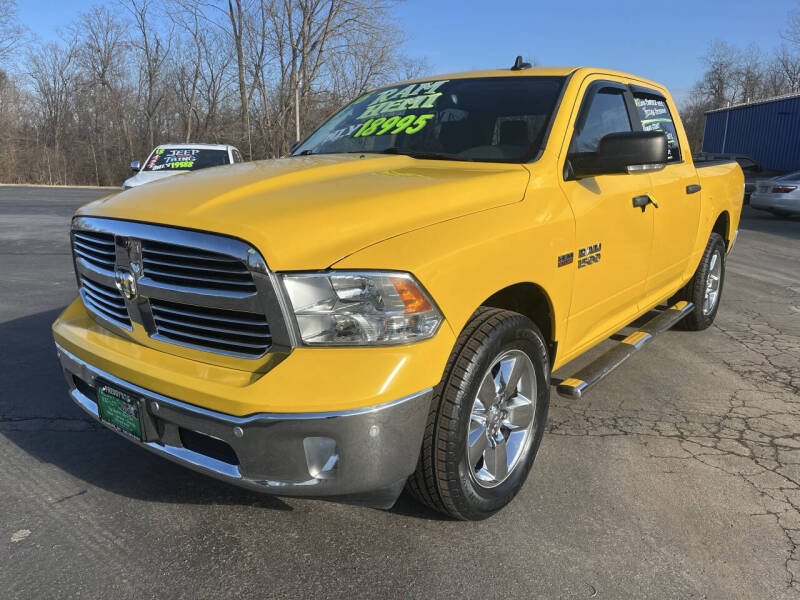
[383,308]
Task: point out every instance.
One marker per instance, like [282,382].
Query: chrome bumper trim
[304,454]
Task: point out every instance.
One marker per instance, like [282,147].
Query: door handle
[642,201]
[693,188]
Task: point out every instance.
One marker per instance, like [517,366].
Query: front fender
[464,261]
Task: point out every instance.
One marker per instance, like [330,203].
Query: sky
[657,40]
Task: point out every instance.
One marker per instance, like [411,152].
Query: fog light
[321,457]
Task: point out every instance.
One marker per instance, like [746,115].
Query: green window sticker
[409,124]
[655,116]
[412,97]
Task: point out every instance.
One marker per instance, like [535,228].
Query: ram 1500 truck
[383,308]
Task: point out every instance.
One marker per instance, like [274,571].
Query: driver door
[613,238]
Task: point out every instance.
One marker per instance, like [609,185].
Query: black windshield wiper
[304,153]
[422,155]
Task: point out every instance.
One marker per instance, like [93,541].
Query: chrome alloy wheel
[712,283]
[502,419]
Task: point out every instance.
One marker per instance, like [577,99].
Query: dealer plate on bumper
[119,410]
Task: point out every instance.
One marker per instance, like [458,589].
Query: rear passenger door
[676,191]
[613,238]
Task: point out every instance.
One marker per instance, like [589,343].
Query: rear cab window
[655,116]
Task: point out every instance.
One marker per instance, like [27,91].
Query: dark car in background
[753,171]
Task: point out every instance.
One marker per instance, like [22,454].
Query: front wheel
[705,287]
[487,417]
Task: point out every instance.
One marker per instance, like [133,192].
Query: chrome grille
[227,330]
[203,291]
[191,267]
[95,248]
[106,301]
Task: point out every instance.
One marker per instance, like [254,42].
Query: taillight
[783,189]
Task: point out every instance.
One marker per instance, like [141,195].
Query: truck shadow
[38,417]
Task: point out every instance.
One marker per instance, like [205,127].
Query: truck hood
[309,212]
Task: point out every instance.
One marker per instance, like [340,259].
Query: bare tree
[718,83]
[153,48]
[315,43]
[188,70]
[238,71]
[749,79]
[13,110]
[215,82]
[232,16]
[53,74]
[792,32]
[101,58]
[11,33]
[783,75]
[734,75]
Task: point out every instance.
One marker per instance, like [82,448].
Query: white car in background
[167,160]
[780,195]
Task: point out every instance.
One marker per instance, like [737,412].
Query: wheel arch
[529,299]
[722,226]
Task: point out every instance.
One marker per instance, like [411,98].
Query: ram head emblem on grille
[126,283]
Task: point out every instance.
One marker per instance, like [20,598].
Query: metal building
[767,130]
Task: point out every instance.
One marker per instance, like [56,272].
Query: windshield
[492,119]
[185,159]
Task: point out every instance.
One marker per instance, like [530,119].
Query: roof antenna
[519,65]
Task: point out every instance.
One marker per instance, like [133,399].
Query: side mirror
[294,146]
[624,152]
[135,166]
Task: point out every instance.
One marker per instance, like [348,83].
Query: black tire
[694,291]
[444,479]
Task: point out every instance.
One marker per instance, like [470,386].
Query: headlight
[341,308]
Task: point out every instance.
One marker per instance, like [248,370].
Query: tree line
[735,75]
[132,74]
[127,76]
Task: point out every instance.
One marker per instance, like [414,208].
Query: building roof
[755,102]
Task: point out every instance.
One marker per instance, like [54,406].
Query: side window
[654,114]
[237,157]
[606,113]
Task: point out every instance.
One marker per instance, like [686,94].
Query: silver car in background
[780,195]
[167,160]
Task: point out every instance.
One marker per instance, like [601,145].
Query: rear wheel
[705,287]
[487,417]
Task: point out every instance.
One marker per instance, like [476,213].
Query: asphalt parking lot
[678,477]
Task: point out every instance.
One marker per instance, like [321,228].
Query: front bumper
[366,452]
[775,202]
